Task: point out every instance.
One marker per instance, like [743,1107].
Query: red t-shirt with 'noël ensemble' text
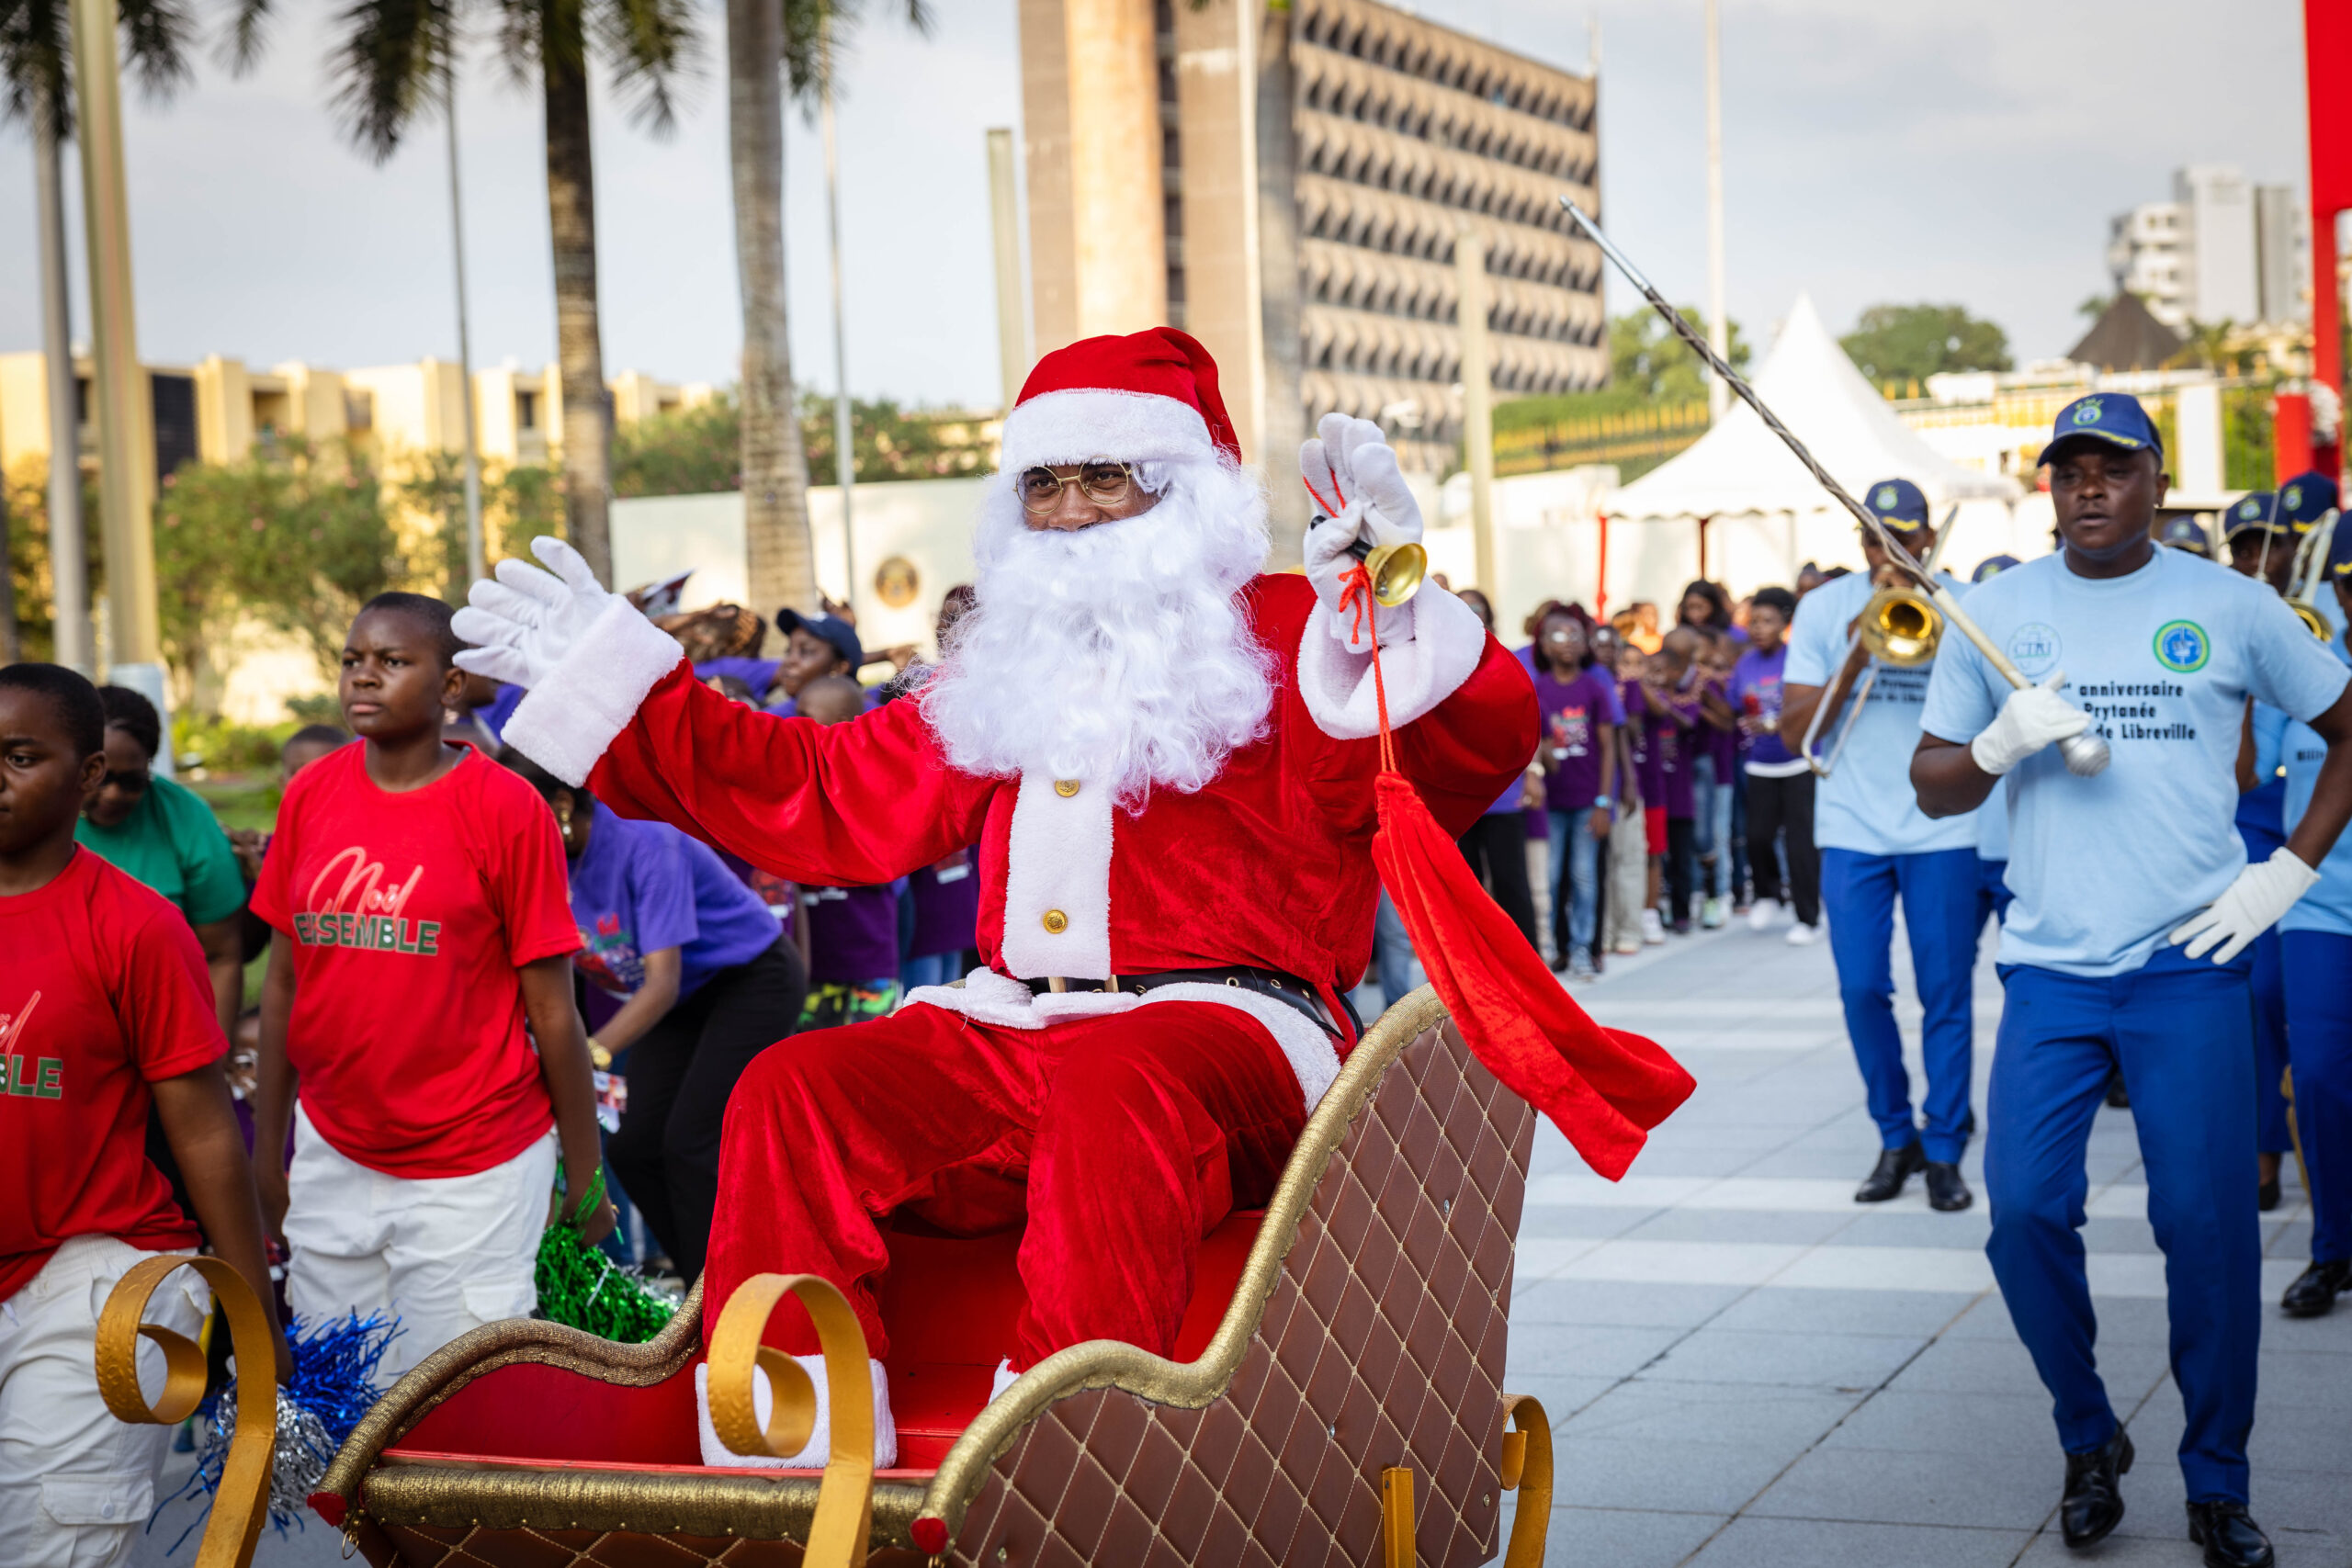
[103,991]
[410,914]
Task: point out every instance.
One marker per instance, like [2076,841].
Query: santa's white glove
[2033,717]
[523,625]
[2251,906]
[1350,465]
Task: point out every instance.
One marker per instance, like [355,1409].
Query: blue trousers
[1711,826]
[1939,894]
[2177,1029]
[1575,875]
[2318,1043]
[2271,1134]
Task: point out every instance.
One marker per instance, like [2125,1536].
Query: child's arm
[649,1004]
[564,1063]
[274,1084]
[223,945]
[1600,821]
[201,1127]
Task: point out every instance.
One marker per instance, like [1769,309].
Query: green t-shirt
[172,842]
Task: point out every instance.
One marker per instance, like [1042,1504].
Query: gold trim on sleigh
[718,1513]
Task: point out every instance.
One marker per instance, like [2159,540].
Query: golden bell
[1397,571]
[1900,627]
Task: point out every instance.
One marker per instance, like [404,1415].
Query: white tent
[1770,513]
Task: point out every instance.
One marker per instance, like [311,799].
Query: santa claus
[1166,756]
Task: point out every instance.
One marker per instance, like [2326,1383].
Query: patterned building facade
[1314,167]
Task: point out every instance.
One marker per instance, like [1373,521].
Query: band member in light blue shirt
[1877,847]
[2127,943]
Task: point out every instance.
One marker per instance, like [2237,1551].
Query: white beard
[1116,654]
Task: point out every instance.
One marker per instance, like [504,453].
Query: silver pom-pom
[304,1452]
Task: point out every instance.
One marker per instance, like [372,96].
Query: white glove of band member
[2034,716]
[1350,457]
[523,625]
[2250,906]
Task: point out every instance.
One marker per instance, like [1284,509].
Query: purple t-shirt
[642,887]
[757,673]
[1641,750]
[1672,745]
[500,708]
[1574,713]
[852,934]
[1723,745]
[947,908]
[1756,693]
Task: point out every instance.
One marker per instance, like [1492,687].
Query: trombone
[2308,571]
[2086,753]
[1901,630]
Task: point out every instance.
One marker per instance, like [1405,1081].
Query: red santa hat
[1149,396]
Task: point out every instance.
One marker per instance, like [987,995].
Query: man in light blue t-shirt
[2316,962]
[1877,846]
[2112,874]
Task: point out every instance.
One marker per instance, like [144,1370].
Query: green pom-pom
[580,1286]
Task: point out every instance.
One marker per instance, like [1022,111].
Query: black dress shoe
[1895,1166]
[1948,1191]
[2315,1289]
[2094,1501]
[2118,1096]
[2229,1535]
[2266,1197]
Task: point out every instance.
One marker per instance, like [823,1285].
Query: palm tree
[36,82]
[393,63]
[773,47]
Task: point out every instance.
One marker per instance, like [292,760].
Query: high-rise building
[2221,250]
[1288,183]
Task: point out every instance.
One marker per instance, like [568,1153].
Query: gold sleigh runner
[1348,1408]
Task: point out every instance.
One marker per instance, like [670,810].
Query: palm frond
[242,41]
[154,41]
[813,29]
[36,37]
[390,62]
[653,50]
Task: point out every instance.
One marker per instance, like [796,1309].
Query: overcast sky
[1873,152]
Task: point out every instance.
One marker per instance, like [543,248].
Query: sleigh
[1336,1395]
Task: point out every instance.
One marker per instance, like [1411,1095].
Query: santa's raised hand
[1352,471]
[522,624]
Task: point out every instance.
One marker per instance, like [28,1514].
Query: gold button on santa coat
[1055,921]
[1066,787]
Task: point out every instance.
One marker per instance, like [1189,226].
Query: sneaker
[1580,966]
[1653,929]
[1627,947]
[1711,914]
[1801,935]
[1765,915]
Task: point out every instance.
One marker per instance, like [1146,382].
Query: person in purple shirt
[703,982]
[1672,700]
[1780,784]
[1643,767]
[945,900]
[1579,713]
[1496,844]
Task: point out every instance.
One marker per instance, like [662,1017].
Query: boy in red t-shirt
[422,937]
[106,1006]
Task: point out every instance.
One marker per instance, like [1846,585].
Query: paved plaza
[1746,1367]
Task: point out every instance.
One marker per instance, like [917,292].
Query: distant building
[2221,250]
[220,411]
[1297,211]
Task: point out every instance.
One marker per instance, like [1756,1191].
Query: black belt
[1272,983]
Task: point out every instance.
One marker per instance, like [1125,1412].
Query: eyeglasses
[1102,481]
[128,782]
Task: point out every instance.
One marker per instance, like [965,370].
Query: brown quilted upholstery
[1382,1344]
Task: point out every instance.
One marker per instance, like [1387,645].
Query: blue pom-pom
[332,1386]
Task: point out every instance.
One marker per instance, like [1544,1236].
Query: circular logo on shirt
[2182,647]
[2034,648]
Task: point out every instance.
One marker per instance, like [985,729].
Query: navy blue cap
[1992,566]
[2257,511]
[2307,498]
[2339,554]
[840,634]
[1898,502]
[2115,418]
[2183,532]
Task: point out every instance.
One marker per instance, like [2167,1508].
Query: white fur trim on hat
[566,720]
[1447,640]
[1128,427]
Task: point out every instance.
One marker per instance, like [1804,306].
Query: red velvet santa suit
[1135,1122]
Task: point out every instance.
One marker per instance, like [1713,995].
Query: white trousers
[447,1254]
[75,1484]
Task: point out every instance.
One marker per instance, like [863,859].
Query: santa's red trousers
[1134,1134]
